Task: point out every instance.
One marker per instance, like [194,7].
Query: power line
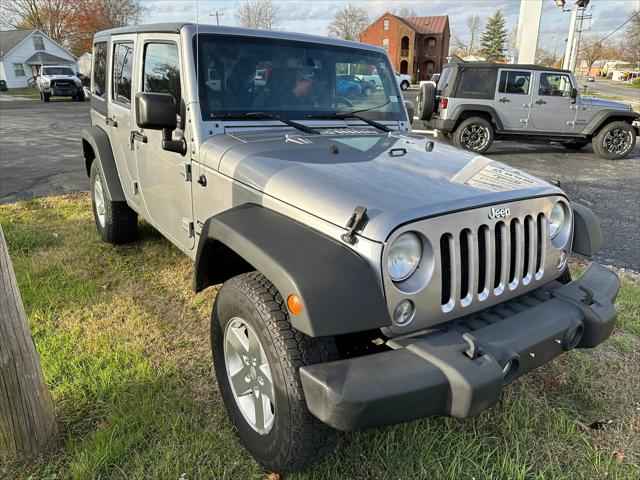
[628,20]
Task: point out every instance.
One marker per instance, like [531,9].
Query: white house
[24,52]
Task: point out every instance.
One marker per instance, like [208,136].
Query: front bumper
[63,91]
[460,369]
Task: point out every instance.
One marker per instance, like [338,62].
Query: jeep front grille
[475,261]
[491,259]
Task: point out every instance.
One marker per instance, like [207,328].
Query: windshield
[293,79]
[57,71]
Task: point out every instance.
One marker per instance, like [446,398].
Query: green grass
[124,346]
[31,92]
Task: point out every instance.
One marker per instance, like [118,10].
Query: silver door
[119,119]
[552,109]
[512,101]
[165,177]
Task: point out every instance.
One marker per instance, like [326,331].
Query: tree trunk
[27,422]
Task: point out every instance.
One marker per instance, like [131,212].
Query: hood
[392,175]
[601,102]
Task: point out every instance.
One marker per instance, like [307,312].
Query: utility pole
[555,48]
[581,18]
[217,14]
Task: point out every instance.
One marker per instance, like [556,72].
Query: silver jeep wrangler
[476,102]
[369,275]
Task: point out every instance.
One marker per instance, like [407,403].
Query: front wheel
[46,97]
[475,134]
[257,355]
[614,141]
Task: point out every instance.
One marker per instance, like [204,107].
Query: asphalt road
[40,154]
[609,87]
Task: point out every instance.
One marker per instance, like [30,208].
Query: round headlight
[404,256]
[556,219]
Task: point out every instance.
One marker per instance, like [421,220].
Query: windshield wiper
[344,115]
[264,116]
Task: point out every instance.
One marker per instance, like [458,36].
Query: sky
[313,16]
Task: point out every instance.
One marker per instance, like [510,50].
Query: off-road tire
[458,136]
[120,221]
[599,140]
[296,438]
[575,145]
[404,85]
[426,101]
[80,97]
[46,97]
[565,277]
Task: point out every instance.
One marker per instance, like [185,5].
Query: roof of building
[9,39]
[425,25]
[44,58]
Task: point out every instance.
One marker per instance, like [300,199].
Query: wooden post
[27,421]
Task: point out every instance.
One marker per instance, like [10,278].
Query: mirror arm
[177,146]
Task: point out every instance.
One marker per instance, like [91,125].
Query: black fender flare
[338,288]
[99,142]
[477,108]
[587,233]
[603,116]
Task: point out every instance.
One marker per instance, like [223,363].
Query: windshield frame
[72,74]
[390,89]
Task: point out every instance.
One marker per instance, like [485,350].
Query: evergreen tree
[494,39]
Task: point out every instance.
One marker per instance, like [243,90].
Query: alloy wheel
[249,375]
[617,141]
[98,197]
[474,137]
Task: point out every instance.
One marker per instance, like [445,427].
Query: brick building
[417,45]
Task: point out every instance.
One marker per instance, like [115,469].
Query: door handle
[540,102]
[111,121]
[504,100]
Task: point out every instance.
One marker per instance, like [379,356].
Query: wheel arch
[464,112]
[339,290]
[96,146]
[604,117]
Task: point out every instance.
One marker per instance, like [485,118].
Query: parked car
[347,88]
[369,276]
[404,80]
[59,81]
[477,102]
[366,87]
[591,78]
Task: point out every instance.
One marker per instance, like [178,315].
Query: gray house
[24,52]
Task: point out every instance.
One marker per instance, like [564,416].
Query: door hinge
[185,171]
[356,223]
[135,188]
[188,225]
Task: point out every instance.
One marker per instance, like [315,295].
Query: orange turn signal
[295,304]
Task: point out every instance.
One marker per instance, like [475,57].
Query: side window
[555,85]
[385,43]
[385,24]
[122,66]
[476,83]
[99,77]
[161,71]
[38,42]
[515,82]
[18,70]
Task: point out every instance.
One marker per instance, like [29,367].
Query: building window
[99,77]
[38,42]
[385,43]
[431,46]
[18,70]
[385,24]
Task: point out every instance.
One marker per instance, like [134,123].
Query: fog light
[562,260]
[403,312]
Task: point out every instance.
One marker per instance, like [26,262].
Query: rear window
[476,83]
[444,79]
[99,75]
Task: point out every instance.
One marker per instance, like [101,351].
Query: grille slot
[487,261]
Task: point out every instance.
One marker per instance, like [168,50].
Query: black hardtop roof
[509,66]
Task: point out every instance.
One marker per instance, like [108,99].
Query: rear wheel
[257,356]
[475,134]
[116,222]
[615,140]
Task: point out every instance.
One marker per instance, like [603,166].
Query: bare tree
[544,57]
[468,47]
[27,422]
[630,46]
[591,49]
[50,16]
[349,23]
[118,13]
[262,14]
[405,12]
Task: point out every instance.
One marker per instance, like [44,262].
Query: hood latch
[356,223]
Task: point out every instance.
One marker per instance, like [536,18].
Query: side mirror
[411,110]
[574,94]
[157,111]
